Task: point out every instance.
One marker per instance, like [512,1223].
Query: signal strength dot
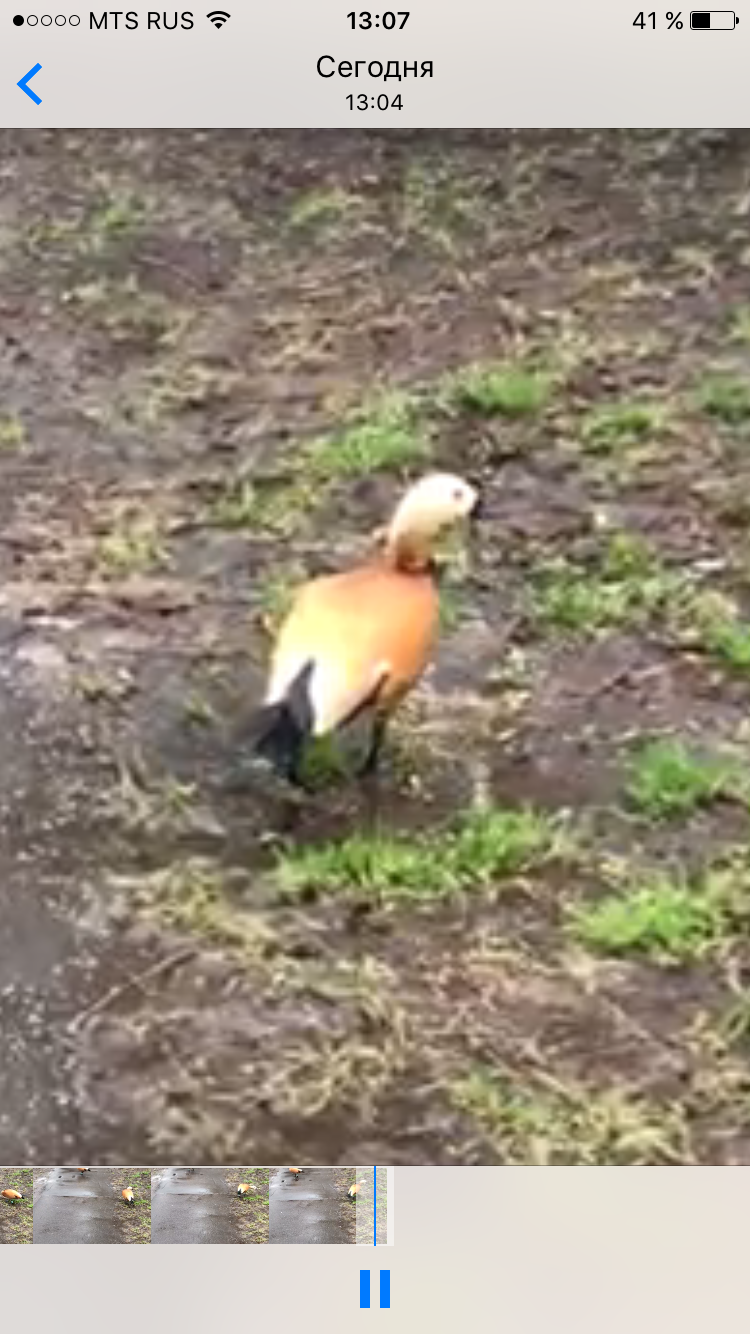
[218,17]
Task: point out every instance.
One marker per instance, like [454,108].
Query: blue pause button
[385,1289]
[364,1287]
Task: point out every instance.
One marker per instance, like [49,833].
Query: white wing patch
[284,674]
[333,700]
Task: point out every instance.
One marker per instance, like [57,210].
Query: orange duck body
[359,640]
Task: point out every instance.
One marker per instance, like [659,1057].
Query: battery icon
[713,18]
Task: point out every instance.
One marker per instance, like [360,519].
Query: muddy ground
[181,315]
[344,1176]
[252,1207]
[308,1210]
[200,1205]
[17,1217]
[74,1207]
[136,1219]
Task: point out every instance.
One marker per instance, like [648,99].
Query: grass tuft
[388,435]
[506,391]
[316,208]
[713,621]
[669,778]
[619,425]
[12,433]
[725,397]
[278,508]
[551,1124]
[626,586]
[134,544]
[671,919]
[483,845]
[739,325]
[729,640]
[665,921]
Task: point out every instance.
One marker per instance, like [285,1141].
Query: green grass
[574,601]
[618,425]
[134,545]
[669,778]
[323,762]
[118,213]
[16,1220]
[629,556]
[482,846]
[238,506]
[251,1208]
[279,507]
[364,1207]
[739,325]
[387,435]
[112,217]
[506,391]
[726,398]
[454,560]
[316,208]
[712,620]
[450,608]
[135,1218]
[542,1122]
[276,595]
[664,921]
[12,433]
[627,585]
[197,710]
[669,919]
[729,640]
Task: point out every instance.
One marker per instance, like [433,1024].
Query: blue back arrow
[23,84]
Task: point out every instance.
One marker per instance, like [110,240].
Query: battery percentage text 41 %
[643,20]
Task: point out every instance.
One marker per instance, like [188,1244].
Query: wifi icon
[218,17]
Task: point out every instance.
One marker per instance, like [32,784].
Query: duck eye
[458,495]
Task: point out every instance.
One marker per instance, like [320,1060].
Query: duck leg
[377,737]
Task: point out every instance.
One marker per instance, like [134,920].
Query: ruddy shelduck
[357,641]
[354,1188]
[127,1195]
[11,1195]
[295,1171]
[244,1187]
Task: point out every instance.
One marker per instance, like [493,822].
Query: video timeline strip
[286,1205]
